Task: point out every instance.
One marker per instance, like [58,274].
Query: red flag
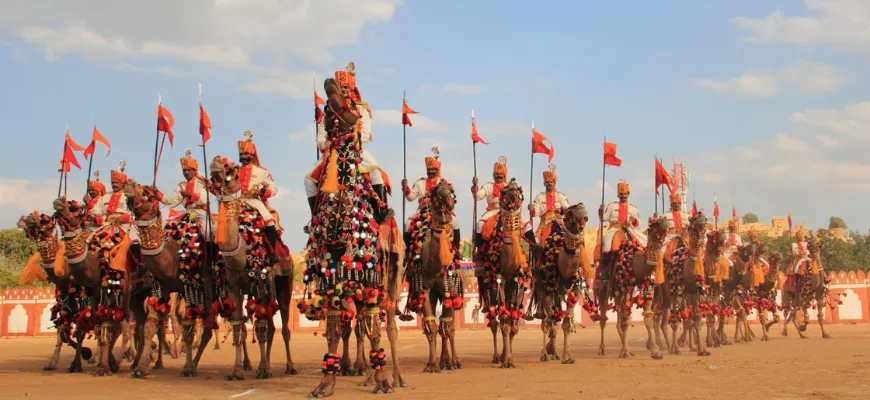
[694,208]
[406,120]
[97,137]
[204,125]
[165,122]
[789,219]
[662,177]
[475,138]
[734,212]
[539,147]
[610,155]
[69,157]
[72,144]
[318,101]
[318,113]
[715,209]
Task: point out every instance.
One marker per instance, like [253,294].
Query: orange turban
[118,176]
[550,173]
[248,146]
[432,162]
[622,187]
[676,198]
[188,162]
[96,184]
[500,166]
[347,79]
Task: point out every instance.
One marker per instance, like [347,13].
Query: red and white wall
[26,312]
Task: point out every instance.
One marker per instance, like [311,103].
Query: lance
[473,196]
[661,161]
[158,146]
[404,159]
[91,161]
[531,192]
[207,253]
[62,162]
[656,202]
[601,215]
[316,125]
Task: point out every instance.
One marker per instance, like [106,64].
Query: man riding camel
[96,190]
[800,253]
[548,205]
[491,191]
[733,243]
[115,211]
[192,194]
[677,222]
[347,82]
[760,249]
[420,191]
[257,187]
[618,215]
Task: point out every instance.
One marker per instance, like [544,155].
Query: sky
[764,102]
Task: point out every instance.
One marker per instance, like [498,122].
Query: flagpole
[601,214]
[207,257]
[473,196]
[404,160]
[532,179]
[62,161]
[91,161]
[716,216]
[663,192]
[316,125]
[656,202]
[157,138]
[66,173]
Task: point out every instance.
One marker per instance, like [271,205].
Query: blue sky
[763,101]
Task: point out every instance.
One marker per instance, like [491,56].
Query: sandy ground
[784,368]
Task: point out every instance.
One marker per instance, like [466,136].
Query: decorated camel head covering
[500,167]
[248,146]
[676,198]
[118,175]
[188,162]
[432,161]
[347,79]
[550,173]
[622,187]
[96,184]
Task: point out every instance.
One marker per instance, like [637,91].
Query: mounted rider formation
[119,265]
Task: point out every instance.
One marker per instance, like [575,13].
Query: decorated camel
[773,281]
[741,293]
[433,272]
[715,269]
[345,274]
[506,272]
[631,268]
[174,257]
[807,288]
[563,272]
[49,264]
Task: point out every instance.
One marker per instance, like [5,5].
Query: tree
[14,252]
[837,222]
[750,218]
[837,255]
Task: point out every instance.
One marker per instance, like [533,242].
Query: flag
[165,122]
[715,209]
[734,212]
[789,220]
[318,113]
[72,144]
[406,120]
[475,138]
[539,147]
[694,208]
[204,125]
[610,155]
[97,137]
[69,157]
[662,177]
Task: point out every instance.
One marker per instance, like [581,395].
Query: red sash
[678,221]
[114,200]
[623,212]
[245,177]
[551,201]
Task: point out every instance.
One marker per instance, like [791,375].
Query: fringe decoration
[585,266]
[330,185]
[722,273]
[445,255]
[757,275]
[118,255]
[32,271]
[220,233]
[660,269]
[699,264]
[60,264]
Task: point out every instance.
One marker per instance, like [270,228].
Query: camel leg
[270,337]
[55,355]
[493,327]
[261,327]
[206,336]
[331,361]
[622,323]
[377,356]
[393,336]
[567,330]
[152,322]
[114,332]
[163,344]
[685,334]
[546,328]
[457,363]
[821,318]
[649,323]
[76,365]
[505,326]
[723,337]
[444,362]
[360,367]
[431,332]
[602,322]
[762,318]
[696,328]
[670,336]
[346,328]
[188,331]
[289,368]
[238,325]
[175,326]
[246,361]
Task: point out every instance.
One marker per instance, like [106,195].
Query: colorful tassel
[330,185]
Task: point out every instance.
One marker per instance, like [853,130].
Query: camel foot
[235,376]
[568,360]
[826,336]
[445,364]
[399,380]
[457,364]
[159,365]
[188,374]
[114,367]
[496,360]
[431,368]
[49,367]
[291,370]
[625,354]
[704,353]
[74,368]
[246,366]
[102,371]
[784,333]
[657,356]
[804,337]
[508,365]
[139,373]
[675,352]
[765,338]
[601,350]
[263,374]
[383,387]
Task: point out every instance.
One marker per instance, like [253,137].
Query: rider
[800,253]
[491,191]
[617,215]
[257,187]
[760,249]
[734,241]
[114,208]
[678,223]
[420,191]
[192,193]
[548,205]
[347,82]
[96,190]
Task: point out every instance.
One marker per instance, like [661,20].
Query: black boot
[534,246]
[407,237]
[381,213]
[272,237]
[136,250]
[457,241]
[478,242]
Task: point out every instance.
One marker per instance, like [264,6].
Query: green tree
[750,218]
[837,255]
[837,222]
[14,252]
[781,244]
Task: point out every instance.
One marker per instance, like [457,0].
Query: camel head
[717,241]
[143,199]
[775,260]
[70,215]
[814,245]
[224,176]
[575,218]
[340,104]
[442,201]
[37,226]
[697,230]
[658,230]
[511,198]
[60,205]
[745,252]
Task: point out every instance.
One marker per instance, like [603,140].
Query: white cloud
[462,90]
[841,22]
[807,77]
[851,121]
[237,35]
[20,196]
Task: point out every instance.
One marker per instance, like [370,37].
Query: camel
[506,272]
[805,289]
[741,292]
[346,271]
[715,269]
[246,270]
[433,273]
[70,297]
[642,268]
[161,247]
[766,294]
[558,279]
